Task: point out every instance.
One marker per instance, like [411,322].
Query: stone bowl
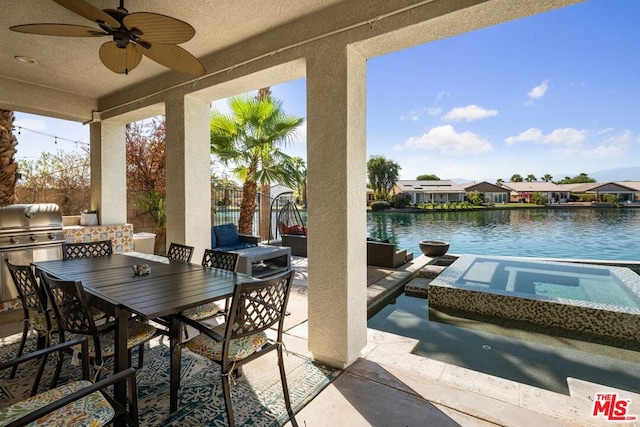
[433,248]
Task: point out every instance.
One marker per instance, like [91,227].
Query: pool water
[614,286]
[509,351]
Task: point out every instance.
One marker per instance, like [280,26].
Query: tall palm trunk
[265,210]
[247,207]
[8,166]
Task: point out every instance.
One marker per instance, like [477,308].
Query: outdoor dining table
[169,288]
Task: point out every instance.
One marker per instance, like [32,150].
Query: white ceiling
[72,64]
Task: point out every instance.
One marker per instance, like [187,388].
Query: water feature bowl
[433,248]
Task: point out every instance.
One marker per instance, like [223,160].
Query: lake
[578,233]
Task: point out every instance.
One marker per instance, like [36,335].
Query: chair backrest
[69,305]
[178,252]
[87,249]
[31,294]
[257,306]
[220,259]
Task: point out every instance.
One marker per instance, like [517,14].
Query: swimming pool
[603,300]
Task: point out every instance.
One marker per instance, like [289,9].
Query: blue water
[592,284]
[608,234]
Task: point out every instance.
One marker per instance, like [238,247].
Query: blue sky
[556,93]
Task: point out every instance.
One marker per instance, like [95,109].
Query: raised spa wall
[585,317]
[581,317]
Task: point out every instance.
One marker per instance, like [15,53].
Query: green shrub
[539,199]
[401,200]
[379,206]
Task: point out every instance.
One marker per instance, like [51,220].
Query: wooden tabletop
[169,288]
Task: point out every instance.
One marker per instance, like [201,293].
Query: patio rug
[257,396]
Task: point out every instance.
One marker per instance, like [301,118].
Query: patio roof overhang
[232,39]
[245,46]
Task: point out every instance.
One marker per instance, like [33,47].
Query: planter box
[89,219]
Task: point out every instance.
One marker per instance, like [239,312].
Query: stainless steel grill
[29,232]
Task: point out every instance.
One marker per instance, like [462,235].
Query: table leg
[175,331]
[121,361]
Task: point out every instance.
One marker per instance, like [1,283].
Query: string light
[55,138]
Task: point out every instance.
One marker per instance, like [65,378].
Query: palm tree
[499,181]
[516,177]
[301,189]
[531,178]
[248,139]
[547,178]
[8,165]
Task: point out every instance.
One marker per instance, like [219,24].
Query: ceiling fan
[142,33]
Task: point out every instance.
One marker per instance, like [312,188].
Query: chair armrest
[128,375]
[399,257]
[199,326]
[39,353]
[246,238]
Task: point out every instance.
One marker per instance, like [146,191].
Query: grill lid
[30,218]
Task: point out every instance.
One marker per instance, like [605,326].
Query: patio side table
[263,260]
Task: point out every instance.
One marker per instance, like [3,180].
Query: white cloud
[529,135]
[539,91]
[564,136]
[605,130]
[441,95]
[31,124]
[447,141]
[412,116]
[417,114]
[469,113]
[613,147]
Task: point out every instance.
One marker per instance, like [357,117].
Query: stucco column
[336,157]
[188,173]
[108,172]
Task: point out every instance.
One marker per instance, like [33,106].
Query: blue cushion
[226,235]
[213,237]
[236,247]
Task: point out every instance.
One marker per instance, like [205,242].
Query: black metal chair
[73,315]
[181,253]
[255,307]
[220,259]
[212,259]
[34,308]
[87,249]
[94,405]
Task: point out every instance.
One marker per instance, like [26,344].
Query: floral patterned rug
[257,396]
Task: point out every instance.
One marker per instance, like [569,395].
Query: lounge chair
[384,254]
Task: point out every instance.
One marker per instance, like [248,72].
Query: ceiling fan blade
[174,57]
[64,30]
[158,28]
[89,11]
[119,60]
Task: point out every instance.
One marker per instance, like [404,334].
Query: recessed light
[25,59]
